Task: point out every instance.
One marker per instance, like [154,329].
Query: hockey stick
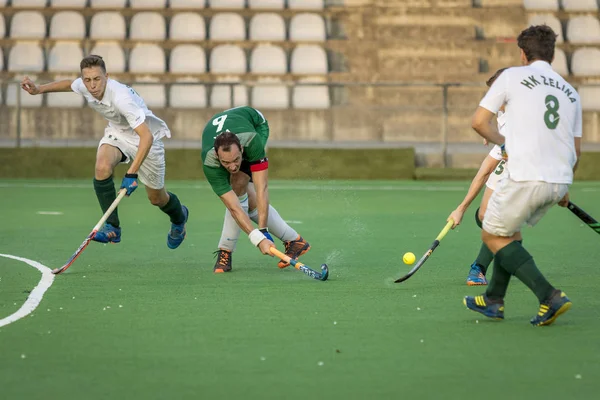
[585,217]
[88,239]
[435,244]
[320,276]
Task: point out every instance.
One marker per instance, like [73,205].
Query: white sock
[231,230]
[277,226]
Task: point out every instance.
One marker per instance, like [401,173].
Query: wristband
[256,236]
[134,176]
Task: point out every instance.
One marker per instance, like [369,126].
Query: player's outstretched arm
[261,186]
[58,86]
[488,166]
[257,238]
[483,123]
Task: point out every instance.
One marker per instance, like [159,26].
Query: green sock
[106,194]
[484,258]
[496,289]
[173,210]
[517,261]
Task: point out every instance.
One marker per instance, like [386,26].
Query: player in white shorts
[492,169]
[543,140]
[133,135]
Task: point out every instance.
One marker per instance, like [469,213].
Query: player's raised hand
[456,216]
[265,246]
[29,86]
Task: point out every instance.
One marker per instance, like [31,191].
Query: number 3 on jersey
[551,116]
[219,122]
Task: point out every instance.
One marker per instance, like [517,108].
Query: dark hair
[493,78]
[92,61]
[538,43]
[225,140]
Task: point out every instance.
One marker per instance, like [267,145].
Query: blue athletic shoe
[108,234]
[476,276]
[558,304]
[482,305]
[177,232]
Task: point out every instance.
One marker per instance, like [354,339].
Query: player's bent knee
[103,171]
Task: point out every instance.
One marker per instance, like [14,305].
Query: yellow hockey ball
[408,258]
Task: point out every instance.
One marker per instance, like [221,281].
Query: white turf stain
[36,295]
[50,213]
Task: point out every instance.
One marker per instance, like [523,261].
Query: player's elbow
[476,123]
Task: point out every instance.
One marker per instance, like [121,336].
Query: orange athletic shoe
[294,249]
[223,263]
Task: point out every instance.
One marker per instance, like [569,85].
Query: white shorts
[152,170]
[497,175]
[515,203]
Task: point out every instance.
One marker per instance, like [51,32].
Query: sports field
[137,320]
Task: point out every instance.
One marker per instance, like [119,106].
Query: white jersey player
[491,171]
[543,139]
[133,135]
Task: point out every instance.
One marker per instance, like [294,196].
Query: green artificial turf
[137,320]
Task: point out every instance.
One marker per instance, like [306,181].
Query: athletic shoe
[223,263]
[476,276]
[557,304]
[108,234]
[483,305]
[177,232]
[294,249]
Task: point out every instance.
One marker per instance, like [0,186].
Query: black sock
[106,194]
[484,258]
[517,261]
[173,210]
[496,289]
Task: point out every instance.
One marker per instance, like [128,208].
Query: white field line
[35,297]
[293,222]
[309,187]
[50,213]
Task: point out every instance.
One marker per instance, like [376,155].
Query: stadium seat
[28,25]
[267,26]
[270,95]
[148,3]
[308,59]
[24,58]
[187,26]
[227,59]
[187,59]
[154,94]
[188,95]
[108,3]
[3,3]
[107,25]
[586,62]
[147,58]
[268,59]
[580,5]
[310,97]
[267,4]
[307,27]
[551,21]
[65,57]
[28,3]
[305,4]
[1,63]
[113,55]
[227,4]
[2,27]
[560,62]
[540,4]
[590,98]
[67,25]
[68,3]
[147,25]
[227,26]
[583,29]
[191,4]
[220,95]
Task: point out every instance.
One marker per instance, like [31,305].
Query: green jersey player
[235,164]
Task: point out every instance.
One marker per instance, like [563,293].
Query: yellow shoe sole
[565,307]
